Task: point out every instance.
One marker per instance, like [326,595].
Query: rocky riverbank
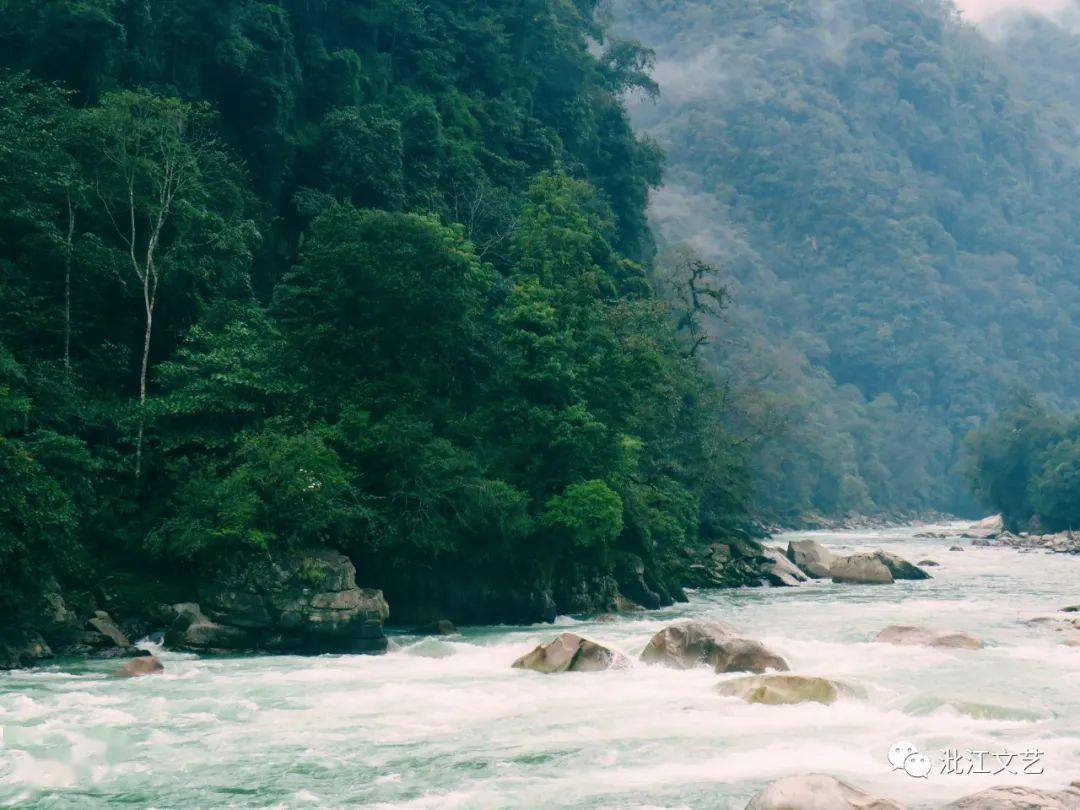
[308,600]
[991,532]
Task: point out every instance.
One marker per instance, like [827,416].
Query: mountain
[894,213]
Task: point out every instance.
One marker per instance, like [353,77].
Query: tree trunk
[148,302]
[67,283]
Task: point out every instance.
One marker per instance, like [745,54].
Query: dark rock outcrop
[714,644]
[629,572]
[899,567]
[779,571]
[570,653]
[22,647]
[304,601]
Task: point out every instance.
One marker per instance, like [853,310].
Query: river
[445,723]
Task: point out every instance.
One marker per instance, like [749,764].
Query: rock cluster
[305,601]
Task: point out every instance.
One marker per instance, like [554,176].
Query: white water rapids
[445,723]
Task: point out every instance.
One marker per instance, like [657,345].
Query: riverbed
[446,723]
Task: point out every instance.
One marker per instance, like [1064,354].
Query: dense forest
[375,277]
[1025,463]
[890,198]
[379,278]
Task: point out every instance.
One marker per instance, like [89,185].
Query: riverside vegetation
[289,288]
[308,309]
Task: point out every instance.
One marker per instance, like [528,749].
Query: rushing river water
[445,723]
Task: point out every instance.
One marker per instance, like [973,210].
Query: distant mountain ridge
[896,213]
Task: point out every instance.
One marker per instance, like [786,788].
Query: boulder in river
[137,667]
[956,548]
[899,567]
[715,644]
[816,791]
[861,569]
[811,557]
[779,571]
[775,690]
[929,563]
[1018,797]
[927,637]
[570,653]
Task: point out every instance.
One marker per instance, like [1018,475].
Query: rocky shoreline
[991,532]
[308,601]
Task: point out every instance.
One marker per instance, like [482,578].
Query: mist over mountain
[890,196]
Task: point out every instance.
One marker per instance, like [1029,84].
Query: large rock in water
[570,653]
[927,637]
[776,690]
[816,791]
[899,567]
[137,667]
[714,644]
[779,571]
[861,569]
[811,557]
[1016,797]
[302,601]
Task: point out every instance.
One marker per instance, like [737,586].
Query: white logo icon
[906,757]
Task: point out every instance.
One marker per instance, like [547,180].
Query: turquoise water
[447,723]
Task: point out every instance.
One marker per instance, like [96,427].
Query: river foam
[447,723]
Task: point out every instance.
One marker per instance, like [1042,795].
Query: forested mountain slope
[896,213]
[315,273]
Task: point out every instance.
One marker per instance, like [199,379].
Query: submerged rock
[816,791]
[861,569]
[714,644]
[779,571]
[775,690]
[927,637]
[570,653]
[137,667]
[441,627]
[811,557]
[1017,797]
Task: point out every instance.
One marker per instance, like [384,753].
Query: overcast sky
[980,9]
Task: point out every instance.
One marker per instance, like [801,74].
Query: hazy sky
[980,9]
